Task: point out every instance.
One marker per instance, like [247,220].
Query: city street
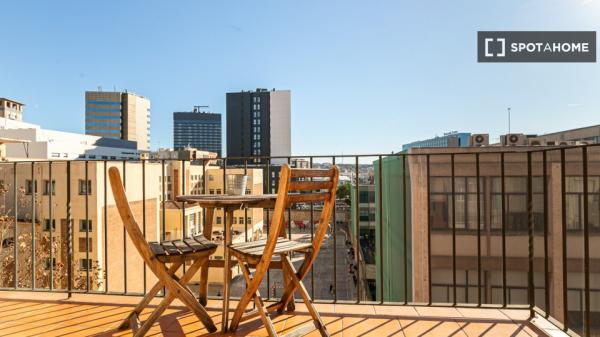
[321,277]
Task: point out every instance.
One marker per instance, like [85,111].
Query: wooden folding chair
[157,256]
[295,186]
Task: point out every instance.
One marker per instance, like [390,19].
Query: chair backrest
[297,186]
[131,226]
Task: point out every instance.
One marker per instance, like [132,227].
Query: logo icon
[502,52]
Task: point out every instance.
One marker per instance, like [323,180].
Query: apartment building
[259,124]
[11,109]
[48,193]
[457,208]
[120,115]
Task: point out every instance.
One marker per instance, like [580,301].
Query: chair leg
[180,290]
[286,263]
[288,292]
[207,232]
[260,306]
[147,298]
[176,288]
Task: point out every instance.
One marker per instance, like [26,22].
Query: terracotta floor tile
[438,312]
[399,311]
[362,309]
[357,326]
[492,329]
[479,313]
[516,314]
[437,328]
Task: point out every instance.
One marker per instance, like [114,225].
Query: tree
[343,192]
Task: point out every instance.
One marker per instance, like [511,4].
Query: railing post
[586,244]
[530,281]
[453,189]
[33,200]
[478,189]
[69,232]
[504,223]
[15,233]
[357,233]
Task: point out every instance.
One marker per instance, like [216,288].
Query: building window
[30,187]
[218,220]
[575,203]
[85,264]
[47,188]
[83,227]
[241,220]
[234,221]
[211,191]
[47,225]
[83,248]
[218,191]
[211,177]
[85,188]
[249,220]
[465,202]
[515,203]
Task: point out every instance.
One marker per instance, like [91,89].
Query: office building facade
[200,130]
[121,115]
[450,139]
[259,124]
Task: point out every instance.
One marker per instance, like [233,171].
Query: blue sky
[365,76]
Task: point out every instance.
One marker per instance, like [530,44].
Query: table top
[221,200]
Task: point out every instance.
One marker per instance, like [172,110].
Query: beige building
[121,115]
[45,202]
[512,215]
[11,109]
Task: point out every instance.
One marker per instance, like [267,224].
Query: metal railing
[492,226]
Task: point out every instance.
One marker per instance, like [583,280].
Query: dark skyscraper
[200,130]
[259,123]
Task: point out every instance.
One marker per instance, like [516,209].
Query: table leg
[226,270]
[207,232]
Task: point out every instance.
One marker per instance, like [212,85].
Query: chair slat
[310,185]
[308,197]
[156,248]
[170,248]
[300,173]
[182,247]
[194,245]
[204,241]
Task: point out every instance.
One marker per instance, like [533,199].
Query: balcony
[52,314]
[456,241]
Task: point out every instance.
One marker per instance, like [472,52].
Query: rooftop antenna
[100,88]
[198,108]
[508,119]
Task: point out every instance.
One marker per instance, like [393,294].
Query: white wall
[281,125]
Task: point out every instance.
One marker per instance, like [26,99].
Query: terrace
[461,241]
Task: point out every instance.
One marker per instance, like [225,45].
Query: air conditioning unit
[513,139]
[567,143]
[479,139]
[535,141]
